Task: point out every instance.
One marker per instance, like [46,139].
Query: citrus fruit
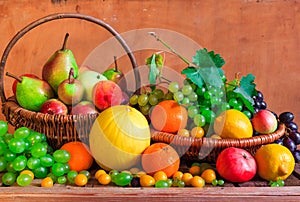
[274,162]
[47,182]
[81,179]
[209,175]
[186,178]
[197,181]
[233,124]
[81,158]
[160,175]
[197,132]
[168,116]
[147,181]
[195,170]
[160,157]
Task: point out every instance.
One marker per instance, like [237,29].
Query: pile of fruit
[205,104]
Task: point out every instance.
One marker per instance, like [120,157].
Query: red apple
[84,107]
[264,122]
[54,106]
[106,93]
[236,165]
[14,86]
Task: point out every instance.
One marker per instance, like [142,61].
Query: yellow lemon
[274,162]
[233,124]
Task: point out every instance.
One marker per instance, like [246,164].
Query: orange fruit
[81,179]
[104,179]
[29,172]
[186,178]
[47,182]
[197,181]
[197,132]
[195,170]
[209,175]
[233,124]
[99,172]
[160,175]
[177,175]
[168,116]
[81,158]
[160,157]
[274,162]
[147,181]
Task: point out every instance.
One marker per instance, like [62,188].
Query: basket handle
[58,16]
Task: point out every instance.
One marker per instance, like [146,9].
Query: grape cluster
[259,102]
[292,136]
[28,150]
[144,100]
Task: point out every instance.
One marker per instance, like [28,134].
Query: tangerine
[168,116]
[81,158]
[160,157]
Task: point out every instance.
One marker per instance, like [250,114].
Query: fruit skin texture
[236,165]
[274,161]
[84,107]
[168,116]
[14,86]
[54,106]
[81,158]
[233,124]
[118,137]
[264,122]
[160,157]
[107,93]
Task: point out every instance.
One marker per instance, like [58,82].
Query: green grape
[207,95]
[180,183]
[62,180]
[61,156]
[3,128]
[185,100]
[193,97]
[225,106]
[38,150]
[58,169]
[280,182]
[22,132]
[86,173]
[170,182]
[34,137]
[230,95]
[47,160]
[209,116]
[186,90]
[214,182]
[153,99]
[161,184]
[71,176]
[40,172]
[133,99]
[215,100]
[168,96]
[238,107]
[123,179]
[43,137]
[24,180]
[52,176]
[10,167]
[219,93]
[221,182]
[248,114]
[67,167]
[200,91]
[19,163]
[143,99]
[199,120]
[33,163]
[192,111]
[16,145]
[173,87]
[145,109]
[232,102]
[178,96]
[3,163]
[113,173]
[9,155]
[9,178]
[8,137]
[159,93]
[27,144]
[213,90]
[3,148]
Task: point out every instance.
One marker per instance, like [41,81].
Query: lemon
[233,124]
[274,162]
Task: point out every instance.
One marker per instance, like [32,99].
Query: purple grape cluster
[259,102]
[292,137]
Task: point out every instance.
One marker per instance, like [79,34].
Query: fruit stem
[71,75]
[169,47]
[65,42]
[14,76]
[116,65]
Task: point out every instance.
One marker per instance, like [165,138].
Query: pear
[31,93]
[58,66]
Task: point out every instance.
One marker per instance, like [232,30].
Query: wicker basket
[208,149]
[59,129]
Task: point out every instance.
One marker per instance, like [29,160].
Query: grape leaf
[208,59]
[154,62]
[194,75]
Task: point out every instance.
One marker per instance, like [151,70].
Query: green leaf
[208,59]
[231,85]
[194,75]
[152,72]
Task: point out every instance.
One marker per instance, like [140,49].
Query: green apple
[88,79]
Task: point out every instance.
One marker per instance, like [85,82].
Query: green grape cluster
[147,99]
[27,149]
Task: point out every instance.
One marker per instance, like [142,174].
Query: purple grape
[290,144]
[296,155]
[135,182]
[263,105]
[292,126]
[279,141]
[286,117]
[295,136]
[257,104]
[259,96]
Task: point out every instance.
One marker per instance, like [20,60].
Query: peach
[264,122]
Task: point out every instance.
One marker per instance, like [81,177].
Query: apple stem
[71,76]
[14,76]
[65,42]
[116,65]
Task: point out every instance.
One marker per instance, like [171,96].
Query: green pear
[58,66]
[31,93]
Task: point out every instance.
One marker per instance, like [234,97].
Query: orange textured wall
[254,36]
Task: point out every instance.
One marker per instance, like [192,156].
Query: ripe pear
[70,91]
[31,93]
[58,66]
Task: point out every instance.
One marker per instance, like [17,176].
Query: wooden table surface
[254,190]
